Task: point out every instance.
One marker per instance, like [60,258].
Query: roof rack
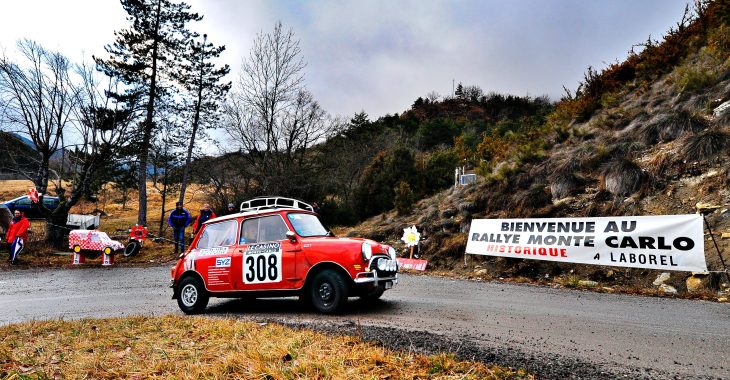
[266,203]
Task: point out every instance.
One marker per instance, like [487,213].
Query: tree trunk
[196,121]
[164,198]
[148,126]
[56,231]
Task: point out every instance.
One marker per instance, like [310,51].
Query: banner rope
[149,233]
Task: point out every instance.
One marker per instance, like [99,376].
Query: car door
[266,257]
[213,254]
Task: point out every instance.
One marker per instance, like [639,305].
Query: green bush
[692,78]
[374,193]
[404,198]
[438,171]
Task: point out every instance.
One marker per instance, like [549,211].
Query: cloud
[380,55]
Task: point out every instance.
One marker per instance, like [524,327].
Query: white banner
[669,242]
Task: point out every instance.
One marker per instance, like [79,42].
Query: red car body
[280,250]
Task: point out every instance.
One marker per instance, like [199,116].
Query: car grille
[384,266]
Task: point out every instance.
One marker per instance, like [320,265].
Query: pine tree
[201,78]
[142,56]
[459,93]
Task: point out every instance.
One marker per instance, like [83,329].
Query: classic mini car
[92,240]
[278,247]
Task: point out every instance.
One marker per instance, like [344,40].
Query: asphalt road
[554,332]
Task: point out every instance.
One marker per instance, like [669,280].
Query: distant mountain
[18,153]
[24,139]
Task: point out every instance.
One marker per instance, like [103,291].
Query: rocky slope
[653,148]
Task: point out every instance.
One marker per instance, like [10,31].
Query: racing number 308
[262,268]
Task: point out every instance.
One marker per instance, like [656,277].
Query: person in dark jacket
[230,210]
[205,215]
[179,219]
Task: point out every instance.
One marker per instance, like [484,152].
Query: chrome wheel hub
[189,295]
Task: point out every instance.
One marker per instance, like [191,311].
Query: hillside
[647,136]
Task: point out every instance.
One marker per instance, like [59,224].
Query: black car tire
[132,248]
[192,298]
[328,292]
[374,294]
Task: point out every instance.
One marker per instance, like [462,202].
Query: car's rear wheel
[328,292]
[192,297]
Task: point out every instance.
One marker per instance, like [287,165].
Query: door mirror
[291,236]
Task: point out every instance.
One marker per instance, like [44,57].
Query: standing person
[179,219]
[17,235]
[205,215]
[230,210]
[315,208]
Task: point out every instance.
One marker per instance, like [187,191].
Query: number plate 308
[262,267]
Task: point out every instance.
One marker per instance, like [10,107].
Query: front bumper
[373,277]
[377,276]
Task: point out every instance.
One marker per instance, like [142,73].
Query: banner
[669,242]
[412,264]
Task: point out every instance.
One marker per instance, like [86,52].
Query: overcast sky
[379,56]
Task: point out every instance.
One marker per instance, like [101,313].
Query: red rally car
[278,247]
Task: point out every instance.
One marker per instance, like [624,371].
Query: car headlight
[367,252]
[391,252]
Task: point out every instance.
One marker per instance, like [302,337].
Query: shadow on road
[294,307]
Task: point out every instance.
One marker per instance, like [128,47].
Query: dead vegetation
[705,146]
[220,348]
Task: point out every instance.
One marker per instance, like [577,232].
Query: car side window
[268,228]
[220,234]
[272,228]
[249,231]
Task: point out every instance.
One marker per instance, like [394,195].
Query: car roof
[247,214]
[26,196]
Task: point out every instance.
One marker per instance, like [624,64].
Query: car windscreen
[307,225]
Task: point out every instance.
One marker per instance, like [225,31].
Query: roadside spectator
[205,215]
[315,208]
[179,219]
[230,210]
[17,235]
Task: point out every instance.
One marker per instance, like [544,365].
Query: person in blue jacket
[179,219]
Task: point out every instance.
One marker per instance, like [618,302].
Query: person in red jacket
[17,235]
[205,215]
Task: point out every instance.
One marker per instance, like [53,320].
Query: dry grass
[185,347]
[705,146]
[622,177]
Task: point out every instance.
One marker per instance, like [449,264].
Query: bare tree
[473,93]
[433,96]
[101,130]
[272,118]
[39,103]
[52,104]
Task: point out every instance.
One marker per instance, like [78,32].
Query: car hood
[378,248]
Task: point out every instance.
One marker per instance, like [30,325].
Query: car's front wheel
[373,294]
[192,297]
[328,292]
